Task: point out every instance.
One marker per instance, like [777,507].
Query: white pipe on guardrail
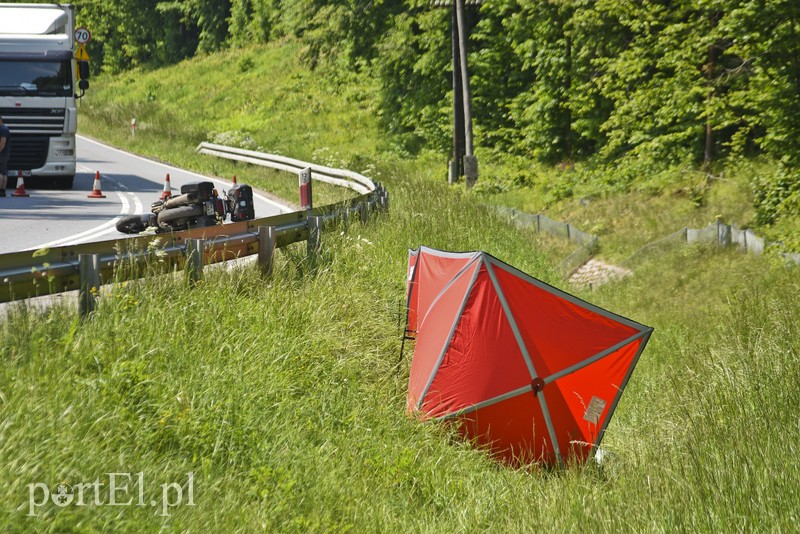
[340,177]
[288,168]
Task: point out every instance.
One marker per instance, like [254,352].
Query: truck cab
[38,76]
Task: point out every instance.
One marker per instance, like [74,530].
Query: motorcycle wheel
[179,216]
[133,224]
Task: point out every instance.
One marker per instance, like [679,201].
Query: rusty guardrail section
[80,267]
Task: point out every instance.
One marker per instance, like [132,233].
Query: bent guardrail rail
[340,177]
[31,273]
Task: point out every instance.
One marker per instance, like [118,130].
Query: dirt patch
[595,272]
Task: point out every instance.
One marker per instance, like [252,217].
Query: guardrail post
[266,248]
[378,195]
[194,260]
[343,216]
[313,241]
[362,212]
[724,234]
[89,274]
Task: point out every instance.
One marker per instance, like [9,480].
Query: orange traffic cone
[167,192]
[20,192]
[96,193]
[234,179]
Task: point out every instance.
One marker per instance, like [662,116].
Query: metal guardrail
[29,273]
[587,243]
[340,177]
[719,233]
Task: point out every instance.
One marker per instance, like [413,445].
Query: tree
[413,63]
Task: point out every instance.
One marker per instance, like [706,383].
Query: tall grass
[284,398]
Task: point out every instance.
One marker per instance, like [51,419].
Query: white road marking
[138,203]
[283,208]
[105,228]
[126,197]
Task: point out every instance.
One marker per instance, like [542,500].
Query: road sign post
[81,54]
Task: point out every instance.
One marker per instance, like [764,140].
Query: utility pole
[470,161]
[456,170]
[463,161]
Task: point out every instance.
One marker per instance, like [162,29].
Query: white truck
[39,77]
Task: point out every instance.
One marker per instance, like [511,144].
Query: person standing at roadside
[5,151]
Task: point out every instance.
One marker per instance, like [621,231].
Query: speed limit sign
[82,36]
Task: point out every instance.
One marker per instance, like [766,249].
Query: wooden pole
[455,169]
[470,162]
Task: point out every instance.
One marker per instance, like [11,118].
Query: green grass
[651,208]
[283,398]
[259,99]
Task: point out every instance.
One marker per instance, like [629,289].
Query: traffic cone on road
[20,191]
[167,192]
[234,179]
[96,193]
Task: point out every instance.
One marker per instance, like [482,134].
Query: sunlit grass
[627,221]
[284,398]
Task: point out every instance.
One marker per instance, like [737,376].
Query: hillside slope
[282,396]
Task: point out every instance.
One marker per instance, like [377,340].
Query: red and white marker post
[306,202]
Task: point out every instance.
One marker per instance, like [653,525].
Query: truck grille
[33,121]
[28,152]
[31,129]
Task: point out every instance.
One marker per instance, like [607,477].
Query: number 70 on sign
[82,36]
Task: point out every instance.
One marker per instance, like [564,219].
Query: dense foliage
[650,83]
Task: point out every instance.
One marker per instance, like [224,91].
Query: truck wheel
[179,216]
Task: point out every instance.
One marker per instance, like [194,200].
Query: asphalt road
[50,218]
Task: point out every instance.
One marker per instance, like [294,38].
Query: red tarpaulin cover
[529,371]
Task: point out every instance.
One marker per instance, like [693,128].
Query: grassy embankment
[282,398]
[628,214]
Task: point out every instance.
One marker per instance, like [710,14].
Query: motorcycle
[198,205]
